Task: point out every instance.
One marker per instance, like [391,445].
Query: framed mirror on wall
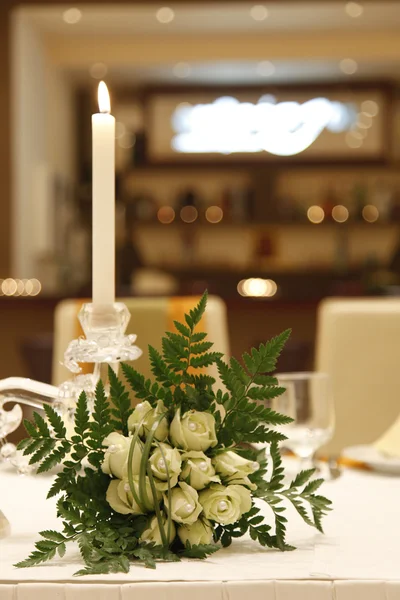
[269,124]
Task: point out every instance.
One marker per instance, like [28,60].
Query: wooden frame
[388,89]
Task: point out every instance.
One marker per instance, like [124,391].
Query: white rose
[198,470]
[116,455]
[153,535]
[235,469]
[185,507]
[194,431]
[150,415]
[120,498]
[225,505]
[201,532]
[168,461]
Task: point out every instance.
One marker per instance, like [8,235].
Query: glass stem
[307,462]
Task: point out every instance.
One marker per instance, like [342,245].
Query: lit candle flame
[104,98]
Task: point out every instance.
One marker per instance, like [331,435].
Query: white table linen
[357,559]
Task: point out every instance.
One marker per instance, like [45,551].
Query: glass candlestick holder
[105,342]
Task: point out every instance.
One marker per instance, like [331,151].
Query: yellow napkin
[389,442]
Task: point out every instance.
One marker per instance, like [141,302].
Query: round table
[357,558]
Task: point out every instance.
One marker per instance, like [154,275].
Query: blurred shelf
[268,225]
[246,164]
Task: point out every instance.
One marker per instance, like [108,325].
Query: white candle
[103,209]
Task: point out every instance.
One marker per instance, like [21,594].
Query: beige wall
[43,145]
[5,162]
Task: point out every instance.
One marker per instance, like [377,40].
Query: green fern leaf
[45,448]
[160,369]
[55,421]
[182,329]
[239,371]
[82,416]
[201,347]
[41,425]
[121,401]
[205,360]
[32,446]
[200,551]
[193,318]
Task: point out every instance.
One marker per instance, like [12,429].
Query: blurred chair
[150,319]
[358,344]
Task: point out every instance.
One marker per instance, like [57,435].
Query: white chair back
[358,344]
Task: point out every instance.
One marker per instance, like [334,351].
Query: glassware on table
[308,401]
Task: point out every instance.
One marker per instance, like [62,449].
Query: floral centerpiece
[176,476]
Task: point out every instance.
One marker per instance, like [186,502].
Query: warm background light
[166,215]
[98,70]
[214,214]
[340,214]
[182,70]
[189,214]
[354,9]
[72,16]
[354,139]
[348,66]
[265,68]
[165,15]
[258,12]
[257,288]
[316,214]
[20,287]
[370,213]
[370,108]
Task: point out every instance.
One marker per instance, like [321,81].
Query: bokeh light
[189,214]
[370,108]
[166,215]
[72,16]
[354,9]
[257,288]
[370,213]
[259,12]
[354,139]
[348,66]
[182,70]
[165,15]
[340,213]
[315,214]
[20,287]
[98,70]
[265,68]
[214,214]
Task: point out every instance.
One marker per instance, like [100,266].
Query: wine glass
[307,399]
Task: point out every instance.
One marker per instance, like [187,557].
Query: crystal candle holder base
[105,340]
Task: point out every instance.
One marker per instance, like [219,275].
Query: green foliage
[248,386]
[300,492]
[199,551]
[107,541]
[122,405]
[251,522]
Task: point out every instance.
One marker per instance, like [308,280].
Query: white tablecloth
[357,559]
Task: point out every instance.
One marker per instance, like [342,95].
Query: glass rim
[301,375]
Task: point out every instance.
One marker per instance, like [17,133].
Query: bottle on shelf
[329,202]
[227,203]
[359,200]
[187,204]
[382,199]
